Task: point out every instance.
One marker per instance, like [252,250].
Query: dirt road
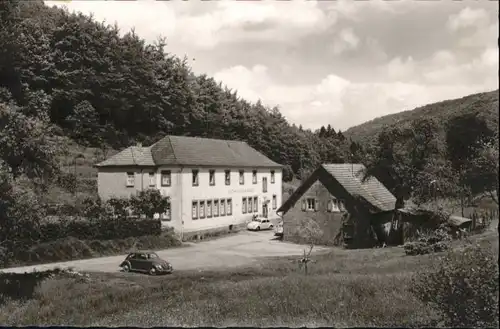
[235,250]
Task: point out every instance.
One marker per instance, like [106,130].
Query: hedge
[99,229]
[86,229]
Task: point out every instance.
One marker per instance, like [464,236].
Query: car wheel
[258,228]
[271,227]
[152,271]
[126,268]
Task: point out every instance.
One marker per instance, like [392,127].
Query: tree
[25,145]
[467,137]
[149,203]
[402,158]
[486,169]
[84,122]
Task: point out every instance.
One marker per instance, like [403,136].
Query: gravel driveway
[235,250]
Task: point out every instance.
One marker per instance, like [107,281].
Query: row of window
[166,178]
[212,208]
[227,177]
[249,205]
[333,205]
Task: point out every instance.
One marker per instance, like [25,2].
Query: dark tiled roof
[195,151]
[350,176]
[131,156]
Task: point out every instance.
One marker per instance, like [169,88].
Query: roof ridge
[132,153]
[206,138]
[172,147]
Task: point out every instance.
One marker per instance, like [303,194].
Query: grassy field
[343,288]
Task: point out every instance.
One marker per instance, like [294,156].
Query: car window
[143,256]
[153,255]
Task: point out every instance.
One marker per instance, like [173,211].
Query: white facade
[185,217]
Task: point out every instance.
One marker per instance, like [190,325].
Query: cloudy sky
[337,62]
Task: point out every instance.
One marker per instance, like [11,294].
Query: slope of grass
[486,104]
[343,288]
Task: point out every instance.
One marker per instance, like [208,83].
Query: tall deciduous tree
[467,137]
[402,158]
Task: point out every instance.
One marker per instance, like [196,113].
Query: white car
[259,223]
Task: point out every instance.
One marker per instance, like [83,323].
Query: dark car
[146,262]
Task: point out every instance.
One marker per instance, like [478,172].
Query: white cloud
[217,22]
[235,21]
[398,69]
[346,40]
[149,18]
[468,17]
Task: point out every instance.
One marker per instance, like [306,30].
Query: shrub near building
[104,228]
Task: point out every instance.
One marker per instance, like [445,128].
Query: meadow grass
[344,288]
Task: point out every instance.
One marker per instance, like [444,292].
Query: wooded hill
[484,104]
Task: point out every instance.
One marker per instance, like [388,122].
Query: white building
[212,184]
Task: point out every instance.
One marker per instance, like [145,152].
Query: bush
[435,241]
[101,229]
[464,288]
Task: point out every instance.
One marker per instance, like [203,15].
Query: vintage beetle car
[146,262]
[259,223]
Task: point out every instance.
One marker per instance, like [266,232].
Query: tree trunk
[400,202]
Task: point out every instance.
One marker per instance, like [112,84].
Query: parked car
[278,230]
[146,262]
[260,223]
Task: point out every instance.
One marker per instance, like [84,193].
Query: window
[334,205]
[244,205]
[130,179]
[195,210]
[209,208]
[202,209]
[254,177]
[341,205]
[275,202]
[211,175]
[242,177]
[195,178]
[167,215]
[229,206]
[249,205]
[255,204]
[272,176]
[222,207]
[310,204]
[152,179]
[216,208]
[165,178]
[264,184]
[227,177]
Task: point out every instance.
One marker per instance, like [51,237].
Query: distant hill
[486,104]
